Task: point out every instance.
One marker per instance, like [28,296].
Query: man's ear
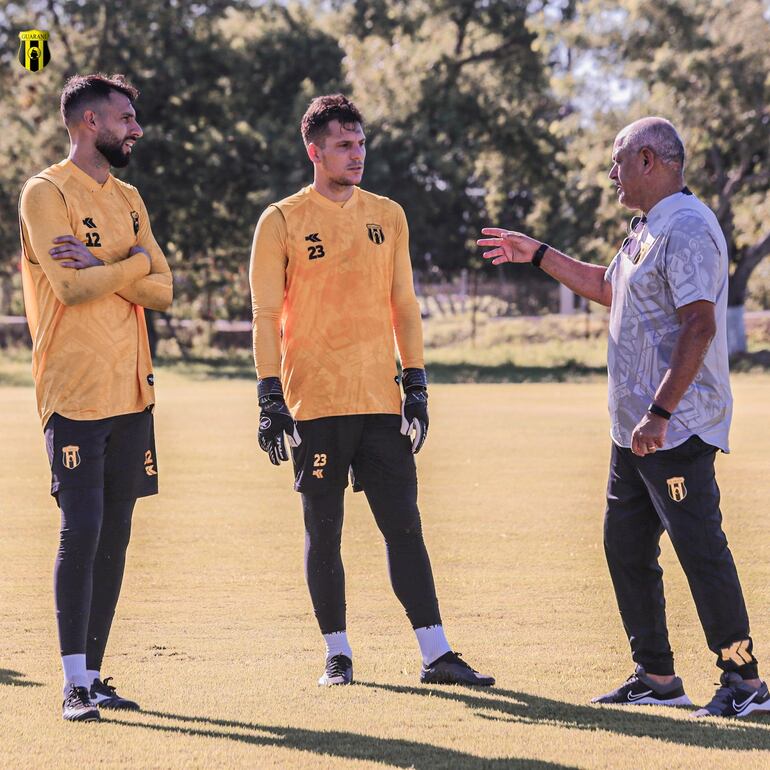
[314,153]
[89,119]
[648,158]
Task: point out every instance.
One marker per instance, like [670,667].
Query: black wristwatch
[537,258]
[658,411]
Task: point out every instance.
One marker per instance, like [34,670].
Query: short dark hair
[324,109]
[82,89]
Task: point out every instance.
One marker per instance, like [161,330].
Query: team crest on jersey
[135,220]
[677,491]
[70,456]
[375,234]
[33,49]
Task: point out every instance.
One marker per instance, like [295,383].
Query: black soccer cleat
[339,670]
[640,690]
[450,668]
[735,699]
[105,696]
[78,706]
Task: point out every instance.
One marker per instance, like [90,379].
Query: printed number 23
[315,252]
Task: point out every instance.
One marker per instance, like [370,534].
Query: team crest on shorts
[70,456]
[375,234]
[677,491]
[33,49]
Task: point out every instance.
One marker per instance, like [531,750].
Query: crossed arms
[143,277]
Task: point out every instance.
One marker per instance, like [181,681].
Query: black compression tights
[89,570]
[398,518]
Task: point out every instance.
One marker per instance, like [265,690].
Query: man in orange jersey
[90,265]
[331,281]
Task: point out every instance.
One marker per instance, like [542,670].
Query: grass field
[215,637]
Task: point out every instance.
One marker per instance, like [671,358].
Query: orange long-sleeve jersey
[330,285]
[90,356]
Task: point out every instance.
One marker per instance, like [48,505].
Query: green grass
[215,636]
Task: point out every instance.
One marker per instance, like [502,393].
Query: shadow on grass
[335,743]
[512,706]
[16,679]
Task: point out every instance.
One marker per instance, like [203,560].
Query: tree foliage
[478,111]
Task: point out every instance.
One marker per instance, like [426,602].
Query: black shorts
[368,446]
[116,454]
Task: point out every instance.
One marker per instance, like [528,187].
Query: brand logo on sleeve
[70,456]
[375,234]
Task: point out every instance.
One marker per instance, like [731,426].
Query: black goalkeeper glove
[274,420]
[414,407]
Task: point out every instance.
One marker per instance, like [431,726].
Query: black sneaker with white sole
[78,706]
[104,695]
[339,670]
[450,668]
[736,699]
[640,690]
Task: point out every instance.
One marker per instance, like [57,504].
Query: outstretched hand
[507,245]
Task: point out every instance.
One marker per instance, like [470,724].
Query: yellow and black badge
[33,49]
[677,491]
[375,234]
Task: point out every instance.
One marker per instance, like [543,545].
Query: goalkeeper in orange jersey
[331,281]
[90,265]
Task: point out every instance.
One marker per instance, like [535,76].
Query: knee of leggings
[324,539]
[81,521]
[79,541]
[404,528]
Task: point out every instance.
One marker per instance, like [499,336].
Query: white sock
[337,644]
[433,643]
[75,670]
[93,676]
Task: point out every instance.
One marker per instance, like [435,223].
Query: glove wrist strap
[414,379]
[269,389]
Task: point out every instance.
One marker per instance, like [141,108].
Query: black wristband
[539,254]
[658,411]
[269,389]
[414,379]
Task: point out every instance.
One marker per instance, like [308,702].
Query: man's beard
[112,149]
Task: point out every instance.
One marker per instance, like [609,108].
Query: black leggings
[89,569]
[398,518]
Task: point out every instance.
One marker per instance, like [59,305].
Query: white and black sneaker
[736,699]
[339,670]
[640,690]
[105,696]
[450,668]
[78,706]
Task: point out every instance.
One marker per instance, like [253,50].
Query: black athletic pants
[89,569]
[398,518]
[673,490]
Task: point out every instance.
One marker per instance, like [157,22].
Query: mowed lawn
[215,636]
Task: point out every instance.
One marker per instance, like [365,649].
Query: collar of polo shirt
[661,212]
